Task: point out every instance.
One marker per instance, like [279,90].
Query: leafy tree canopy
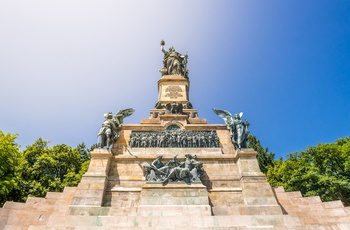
[264,157]
[323,170]
[11,159]
[39,168]
[52,168]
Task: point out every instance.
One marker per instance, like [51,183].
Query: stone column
[257,193]
[88,197]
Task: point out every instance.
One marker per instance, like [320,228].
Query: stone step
[294,209]
[247,210]
[178,222]
[150,228]
[173,211]
[178,228]
[347,209]
[332,204]
[288,195]
[311,200]
[278,189]
[54,195]
[35,200]
[329,212]
[14,227]
[335,220]
[311,227]
[28,217]
[13,205]
[3,220]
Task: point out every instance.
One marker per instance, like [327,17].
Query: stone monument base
[174,199]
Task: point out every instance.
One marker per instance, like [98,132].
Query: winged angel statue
[108,133]
[238,129]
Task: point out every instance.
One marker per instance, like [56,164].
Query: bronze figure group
[190,170]
[174,139]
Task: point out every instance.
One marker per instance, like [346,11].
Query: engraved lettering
[173,91]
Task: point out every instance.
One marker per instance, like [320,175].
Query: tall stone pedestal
[174,199]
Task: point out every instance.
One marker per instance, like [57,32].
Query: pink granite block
[278,189]
[14,205]
[31,201]
[283,197]
[14,227]
[269,220]
[69,190]
[225,211]
[53,195]
[109,221]
[3,220]
[308,200]
[296,194]
[291,221]
[4,212]
[332,204]
[80,221]
[260,210]
[342,226]
[14,217]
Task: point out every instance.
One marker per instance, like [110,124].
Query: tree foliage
[10,161]
[52,168]
[323,170]
[264,157]
[39,168]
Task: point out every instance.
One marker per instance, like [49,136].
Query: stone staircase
[52,212]
[36,211]
[312,211]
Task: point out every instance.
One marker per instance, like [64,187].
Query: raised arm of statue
[162,43]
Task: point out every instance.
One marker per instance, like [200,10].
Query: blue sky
[285,64]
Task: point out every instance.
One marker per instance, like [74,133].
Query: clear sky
[285,64]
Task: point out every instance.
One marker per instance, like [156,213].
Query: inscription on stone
[173,91]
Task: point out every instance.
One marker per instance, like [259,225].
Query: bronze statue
[238,129]
[188,171]
[108,133]
[174,139]
[174,63]
[174,171]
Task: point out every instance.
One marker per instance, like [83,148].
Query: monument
[174,170]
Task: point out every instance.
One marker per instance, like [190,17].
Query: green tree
[323,170]
[52,168]
[264,157]
[10,158]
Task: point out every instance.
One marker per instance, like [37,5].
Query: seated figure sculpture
[174,171]
[188,171]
